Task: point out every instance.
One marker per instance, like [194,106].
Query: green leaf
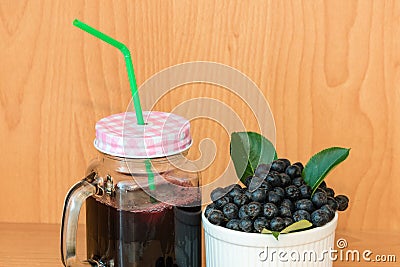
[248,150]
[274,233]
[266,231]
[300,225]
[321,164]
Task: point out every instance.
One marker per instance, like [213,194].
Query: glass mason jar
[142,208]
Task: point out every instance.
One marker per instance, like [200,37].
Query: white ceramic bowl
[229,248]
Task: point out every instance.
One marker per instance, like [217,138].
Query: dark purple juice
[160,236]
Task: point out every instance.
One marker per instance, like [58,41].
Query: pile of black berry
[274,198]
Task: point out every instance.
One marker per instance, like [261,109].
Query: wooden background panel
[329,69]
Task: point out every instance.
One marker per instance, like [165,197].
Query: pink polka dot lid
[163,134]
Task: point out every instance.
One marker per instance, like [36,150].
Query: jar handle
[76,196]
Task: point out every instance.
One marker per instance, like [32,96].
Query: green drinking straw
[150,175]
[128,62]
[132,81]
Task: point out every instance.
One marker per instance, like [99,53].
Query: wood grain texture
[34,245]
[38,245]
[329,69]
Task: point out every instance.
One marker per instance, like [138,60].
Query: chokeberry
[319,199]
[254,209]
[286,161]
[285,179]
[233,224]
[230,211]
[330,192]
[305,191]
[300,165]
[260,223]
[319,189]
[298,181]
[273,172]
[319,218]
[274,198]
[238,186]
[235,191]
[208,209]
[292,192]
[243,212]
[265,185]
[279,191]
[219,203]
[278,165]
[288,203]
[293,171]
[322,185]
[216,217]
[285,211]
[304,204]
[246,225]
[288,221]
[270,210]
[247,193]
[301,215]
[343,202]
[259,195]
[332,203]
[329,210]
[274,179]
[277,224]
[240,200]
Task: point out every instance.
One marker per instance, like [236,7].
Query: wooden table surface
[38,245]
